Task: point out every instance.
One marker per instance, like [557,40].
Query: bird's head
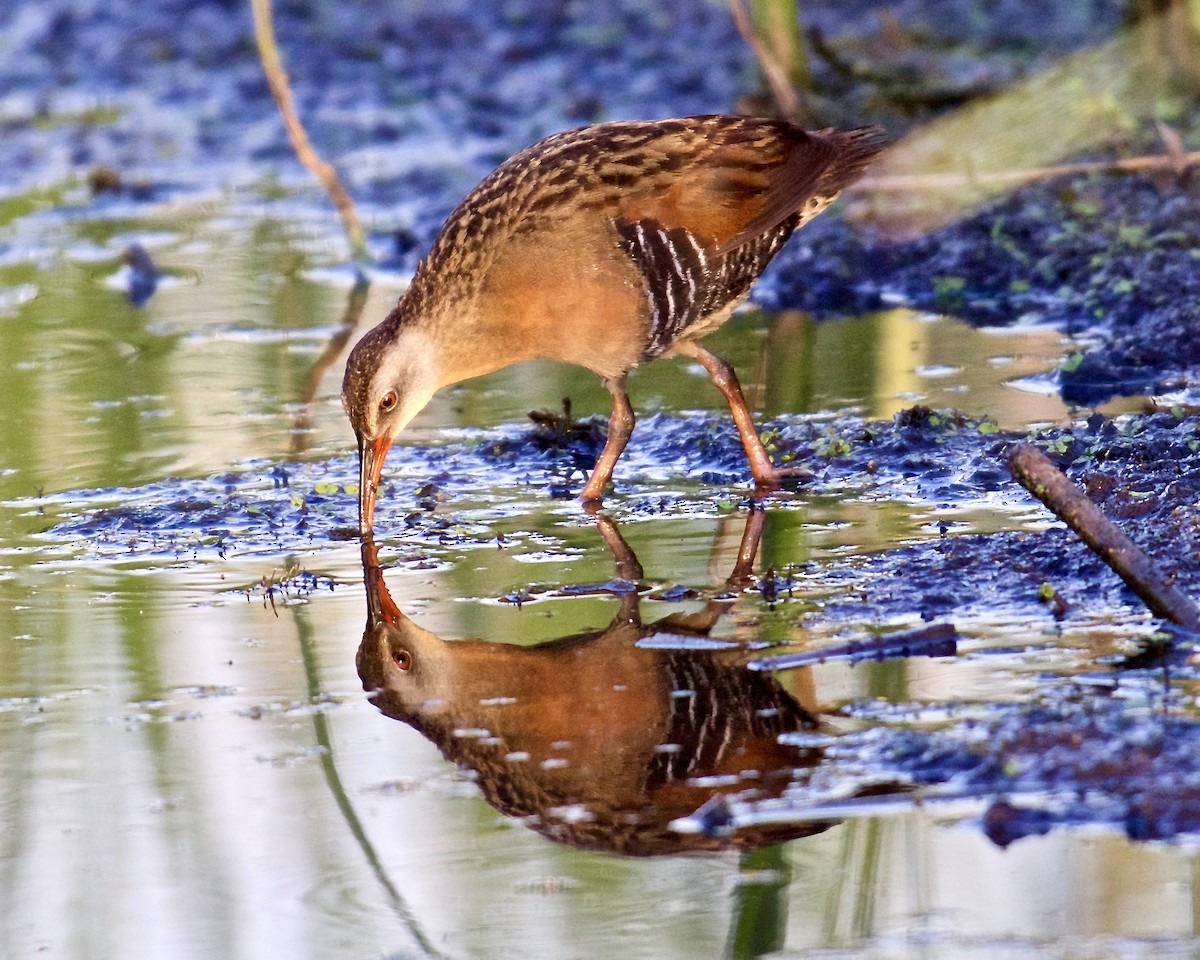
[390,376]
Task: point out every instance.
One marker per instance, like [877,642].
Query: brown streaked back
[602,246]
[725,179]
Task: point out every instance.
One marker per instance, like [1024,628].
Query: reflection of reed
[601,739]
[395,899]
[355,301]
[758,925]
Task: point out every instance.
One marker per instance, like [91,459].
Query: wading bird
[605,247]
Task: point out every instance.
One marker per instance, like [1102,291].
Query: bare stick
[277,80]
[1037,474]
[786,98]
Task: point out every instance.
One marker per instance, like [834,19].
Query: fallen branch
[935,640]
[1036,473]
[277,80]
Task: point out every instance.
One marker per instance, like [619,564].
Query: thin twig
[1037,474]
[902,182]
[277,80]
[786,97]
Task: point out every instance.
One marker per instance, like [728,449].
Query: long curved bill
[371,454]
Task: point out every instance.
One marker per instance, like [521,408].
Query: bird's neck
[446,320]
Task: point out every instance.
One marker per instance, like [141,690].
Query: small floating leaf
[1071,364]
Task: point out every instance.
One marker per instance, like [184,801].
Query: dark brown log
[1036,473]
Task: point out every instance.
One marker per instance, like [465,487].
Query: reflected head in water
[591,739]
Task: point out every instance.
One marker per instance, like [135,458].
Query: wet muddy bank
[1109,258]
[1142,471]
[1103,749]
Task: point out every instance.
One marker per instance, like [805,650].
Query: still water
[191,768]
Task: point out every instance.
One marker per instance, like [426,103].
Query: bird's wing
[696,206]
[729,180]
[715,200]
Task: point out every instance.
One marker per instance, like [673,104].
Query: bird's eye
[389,401]
[402,659]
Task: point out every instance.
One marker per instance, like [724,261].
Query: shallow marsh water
[191,767]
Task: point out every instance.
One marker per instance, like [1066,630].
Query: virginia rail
[604,247]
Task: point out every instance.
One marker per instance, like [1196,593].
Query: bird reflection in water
[590,739]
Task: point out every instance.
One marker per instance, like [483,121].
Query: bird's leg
[628,568]
[627,563]
[743,569]
[620,426]
[766,474]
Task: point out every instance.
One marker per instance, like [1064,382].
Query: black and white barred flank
[685,283]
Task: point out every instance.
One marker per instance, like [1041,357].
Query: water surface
[191,766]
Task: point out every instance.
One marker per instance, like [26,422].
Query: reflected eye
[389,401]
[402,659]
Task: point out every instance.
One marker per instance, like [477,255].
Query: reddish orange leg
[628,566]
[743,569]
[766,474]
[620,426]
